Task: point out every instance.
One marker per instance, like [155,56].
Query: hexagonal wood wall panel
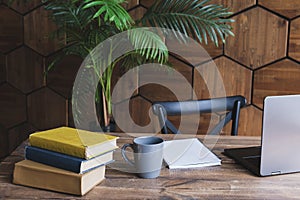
[11,34]
[254,63]
[62,76]
[19,133]
[24,6]
[253,126]
[2,68]
[250,121]
[287,8]
[130,4]
[25,69]
[194,53]
[137,13]
[235,5]
[159,91]
[37,32]
[235,78]
[46,109]
[129,87]
[294,49]
[137,105]
[258,34]
[147,3]
[4,142]
[276,79]
[12,106]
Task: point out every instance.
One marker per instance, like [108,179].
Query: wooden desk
[229,181]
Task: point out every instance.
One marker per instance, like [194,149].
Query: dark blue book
[66,162]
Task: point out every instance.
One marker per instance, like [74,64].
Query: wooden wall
[262,59]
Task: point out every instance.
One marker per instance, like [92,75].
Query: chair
[231,105]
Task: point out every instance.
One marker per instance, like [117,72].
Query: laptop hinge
[276,173]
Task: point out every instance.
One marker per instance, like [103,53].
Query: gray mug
[148,156]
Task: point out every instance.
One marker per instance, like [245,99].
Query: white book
[188,153]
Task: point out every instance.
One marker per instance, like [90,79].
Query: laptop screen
[281,135]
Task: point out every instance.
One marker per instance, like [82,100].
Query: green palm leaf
[112,11]
[148,44]
[192,18]
[71,18]
[149,48]
[76,24]
[69,13]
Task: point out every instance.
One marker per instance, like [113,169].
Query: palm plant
[86,23]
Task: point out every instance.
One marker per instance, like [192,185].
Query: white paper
[188,153]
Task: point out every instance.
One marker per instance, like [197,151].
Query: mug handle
[123,151]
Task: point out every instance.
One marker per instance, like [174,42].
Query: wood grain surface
[228,181]
[235,5]
[11,101]
[23,6]
[250,121]
[2,69]
[224,77]
[287,8]
[277,79]
[62,76]
[294,48]
[11,29]
[258,36]
[157,84]
[46,109]
[27,71]
[38,28]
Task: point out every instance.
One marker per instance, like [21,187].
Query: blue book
[66,162]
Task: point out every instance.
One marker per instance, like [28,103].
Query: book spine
[56,146]
[33,174]
[39,178]
[53,159]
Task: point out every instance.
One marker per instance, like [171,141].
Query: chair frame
[232,106]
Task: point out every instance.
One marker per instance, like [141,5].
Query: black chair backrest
[231,105]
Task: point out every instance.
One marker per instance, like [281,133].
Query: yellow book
[42,176]
[74,142]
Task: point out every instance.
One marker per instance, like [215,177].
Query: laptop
[279,152]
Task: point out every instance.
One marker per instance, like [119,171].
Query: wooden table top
[228,181]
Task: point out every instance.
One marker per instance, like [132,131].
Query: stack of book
[65,160]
